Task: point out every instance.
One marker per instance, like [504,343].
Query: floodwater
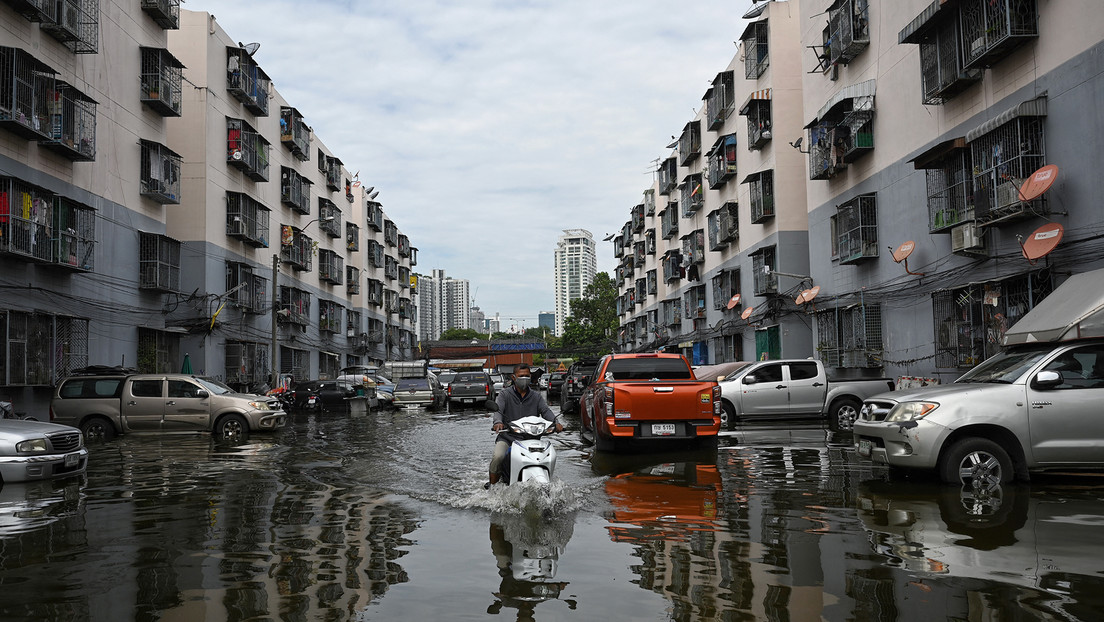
[383,517]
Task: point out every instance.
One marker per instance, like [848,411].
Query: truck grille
[65,441]
[874,410]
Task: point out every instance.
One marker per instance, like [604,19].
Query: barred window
[39,349]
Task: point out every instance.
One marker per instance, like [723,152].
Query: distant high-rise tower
[444,303]
[575,264]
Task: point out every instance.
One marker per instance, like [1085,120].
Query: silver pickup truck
[103,406]
[794,389]
[1033,407]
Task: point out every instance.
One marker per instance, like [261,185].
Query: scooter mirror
[491,405]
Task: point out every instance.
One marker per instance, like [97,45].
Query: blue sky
[489,126]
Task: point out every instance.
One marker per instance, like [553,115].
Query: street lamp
[276,300]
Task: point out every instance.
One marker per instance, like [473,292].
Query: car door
[768,395]
[185,410]
[144,404]
[1066,423]
[807,387]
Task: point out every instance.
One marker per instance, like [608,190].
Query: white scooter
[530,456]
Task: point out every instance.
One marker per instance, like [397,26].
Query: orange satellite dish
[903,251]
[800,298]
[732,302]
[1044,240]
[1040,181]
[810,293]
[747,313]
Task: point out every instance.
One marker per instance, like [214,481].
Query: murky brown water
[383,517]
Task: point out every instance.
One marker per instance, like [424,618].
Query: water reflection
[527,549]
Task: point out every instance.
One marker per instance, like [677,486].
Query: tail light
[717,399]
[486,389]
[449,390]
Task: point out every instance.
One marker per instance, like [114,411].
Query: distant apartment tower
[575,264]
[427,297]
[478,320]
[444,303]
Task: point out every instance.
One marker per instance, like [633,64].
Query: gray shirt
[511,406]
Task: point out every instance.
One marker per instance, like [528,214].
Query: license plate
[663,429]
[468,400]
[865,447]
[72,459]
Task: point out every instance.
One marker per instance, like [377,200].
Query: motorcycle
[530,455]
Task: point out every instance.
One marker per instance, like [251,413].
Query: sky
[490,126]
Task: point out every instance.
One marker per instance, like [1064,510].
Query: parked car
[33,450]
[426,392]
[790,389]
[555,382]
[445,378]
[498,382]
[105,405]
[575,381]
[470,387]
[1033,407]
[327,394]
[385,391]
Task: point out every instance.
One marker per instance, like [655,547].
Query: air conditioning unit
[966,238]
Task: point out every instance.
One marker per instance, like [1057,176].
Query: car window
[1007,367]
[769,373]
[803,371]
[1082,368]
[647,368]
[412,383]
[183,388]
[146,388]
[213,386]
[470,378]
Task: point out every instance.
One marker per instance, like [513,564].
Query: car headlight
[36,445]
[259,405]
[910,411]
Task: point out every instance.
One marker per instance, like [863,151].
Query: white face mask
[522,382]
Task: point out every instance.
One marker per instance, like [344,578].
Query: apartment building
[445,302]
[720,240]
[148,171]
[575,263]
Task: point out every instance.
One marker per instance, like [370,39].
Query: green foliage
[455,334]
[593,319]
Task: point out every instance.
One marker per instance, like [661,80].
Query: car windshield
[214,386]
[412,383]
[647,368]
[1006,367]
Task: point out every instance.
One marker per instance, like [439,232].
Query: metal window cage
[246,149]
[159,262]
[668,171]
[160,173]
[649,202]
[246,81]
[26,220]
[352,279]
[756,51]
[76,24]
[763,264]
[1002,159]
[762,197]
[759,123]
[942,66]
[949,189]
[653,281]
[161,81]
[72,124]
[74,230]
[327,209]
[857,229]
[689,142]
[246,362]
[992,28]
[850,336]
[692,194]
[295,362]
[329,316]
[166,13]
[26,88]
[158,351]
[294,133]
[670,221]
[849,30]
[721,100]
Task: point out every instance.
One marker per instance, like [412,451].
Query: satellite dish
[1044,240]
[732,302]
[902,254]
[251,48]
[801,298]
[810,293]
[747,313]
[1040,181]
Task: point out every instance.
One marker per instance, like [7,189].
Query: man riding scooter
[515,402]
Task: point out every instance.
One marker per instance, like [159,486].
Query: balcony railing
[73,124]
[161,84]
[76,24]
[247,219]
[27,88]
[166,13]
[160,173]
[246,149]
[294,133]
[295,190]
[247,82]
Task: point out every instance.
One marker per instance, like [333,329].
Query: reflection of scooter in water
[527,550]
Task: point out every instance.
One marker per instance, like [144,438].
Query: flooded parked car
[426,392]
[34,450]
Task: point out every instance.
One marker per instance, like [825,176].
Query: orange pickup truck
[635,399]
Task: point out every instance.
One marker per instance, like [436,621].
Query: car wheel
[604,443]
[728,415]
[976,462]
[98,428]
[232,428]
[843,414]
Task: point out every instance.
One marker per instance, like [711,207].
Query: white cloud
[491,125]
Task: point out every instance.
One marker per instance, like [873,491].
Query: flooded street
[383,517]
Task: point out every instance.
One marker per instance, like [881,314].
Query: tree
[456,334]
[593,319]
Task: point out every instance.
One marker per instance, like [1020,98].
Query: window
[850,336]
[993,28]
[352,237]
[390,268]
[375,292]
[689,143]
[374,215]
[247,288]
[848,31]
[329,218]
[668,174]
[295,362]
[640,289]
[40,348]
[73,131]
[726,284]
[331,166]
[949,184]
[147,388]
[649,202]
[26,93]
[1082,368]
[637,218]
[74,232]
[353,324]
[720,100]
[161,85]
[159,263]
[970,322]
[672,266]
[352,280]
[669,220]
[76,24]
[297,304]
[694,302]
[761,187]
[723,226]
[640,253]
[160,173]
[246,219]
[756,57]
[672,312]
[943,73]
[246,149]
[375,254]
[158,351]
[26,215]
[857,227]
[404,277]
[390,233]
[331,268]
[296,248]
[652,281]
[692,194]
[404,246]
[693,246]
[764,264]
[329,316]
[294,133]
[247,82]
[295,190]
[165,12]
[1002,157]
[758,113]
[843,130]
[722,161]
[246,362]
[650,241]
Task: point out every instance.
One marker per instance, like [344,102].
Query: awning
[932,157]
[929,18]
[754,176]
[761,94]
[748,32]
[461,363]
[1074,310]
[1031,108]
[853,91]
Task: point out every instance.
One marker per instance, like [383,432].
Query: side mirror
[750,379]
[1047,379]
[202,394]
[491,405]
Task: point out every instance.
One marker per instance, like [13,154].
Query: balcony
[720,100]
[993,28]
[296,248]
[77,25]
[246,149]
[166,13]
[848,31]
[294,133]
[756,51]
[857,227]
[352,237]
[246,219]
[329,218]
[74,233]
[762,195]
[352,280]
[158,262]
[26,216]
[160,173]
[689,143]
[692,194]
[332,168]
[296,303]
[295,190]
[669,221]
[161,82]
[247,82]
[668,175]
[27,88]
[757,109]
[722,161]
[331,267]
[73,127]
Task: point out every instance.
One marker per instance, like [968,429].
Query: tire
[232,428]
[603,443]
[843,414]
[728,415]
[97,428]
[976,462]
